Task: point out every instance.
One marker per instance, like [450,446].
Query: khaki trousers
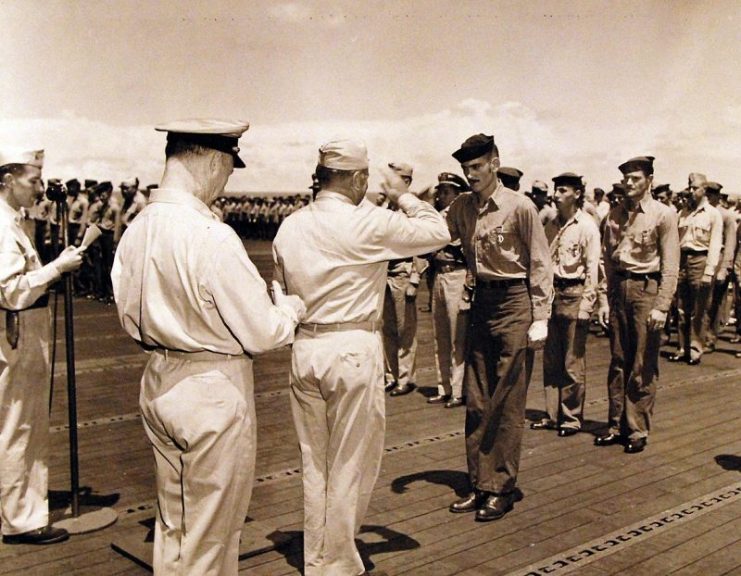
[498,369]
[338,406]
[693,299]
[565,359]
[634,363]
[716,314]
[449,326]
[399,331]
[200,418]
[24,423]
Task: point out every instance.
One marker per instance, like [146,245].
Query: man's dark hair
[328,176]
[14,169]
[183,147]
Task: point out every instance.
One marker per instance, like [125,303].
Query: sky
[578,85]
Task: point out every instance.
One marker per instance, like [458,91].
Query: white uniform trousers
[338,406]
[200,418]
[399,331]
[449,326]
[24,423]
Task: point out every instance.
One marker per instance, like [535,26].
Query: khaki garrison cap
[17,156]
[343,155]
[696,179]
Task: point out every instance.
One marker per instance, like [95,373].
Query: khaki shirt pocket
[701,233]
[644,244]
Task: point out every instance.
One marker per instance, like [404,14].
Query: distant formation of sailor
[509,273]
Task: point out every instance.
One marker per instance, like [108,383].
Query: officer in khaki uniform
[180,277]
[510,177]
[333,253]
[640,249]
[400,312]
[449,315]
[25,334]
[575,252]
[509,262]
[700,241]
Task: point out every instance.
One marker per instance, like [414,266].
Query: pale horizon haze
[576,85]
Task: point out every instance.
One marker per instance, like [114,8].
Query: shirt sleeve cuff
[43,276]
[408,201]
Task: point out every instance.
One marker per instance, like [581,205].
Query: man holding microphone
[25,334]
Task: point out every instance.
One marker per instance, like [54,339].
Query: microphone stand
[101,517]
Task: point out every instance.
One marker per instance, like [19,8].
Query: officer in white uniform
[187,292]
[25,329]
[333,254]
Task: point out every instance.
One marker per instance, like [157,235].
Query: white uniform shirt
[183,281]
[23,279]
[333,254]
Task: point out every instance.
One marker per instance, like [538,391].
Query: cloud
[281,157]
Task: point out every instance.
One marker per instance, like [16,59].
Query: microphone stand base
[90,519]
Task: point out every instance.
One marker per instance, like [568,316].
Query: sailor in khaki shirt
[575,252]
[640,248]
[508,256]
[333,253]
[187,292]
[700,241]
[714,317]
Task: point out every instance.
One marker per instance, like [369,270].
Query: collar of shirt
[169,196]
[642,205]
[701,206]
[574,218]
[331,194]
[10,212]
[491,201]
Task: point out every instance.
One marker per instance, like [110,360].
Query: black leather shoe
[45,535]
[389,386]
[635,446]
[735,339]
[439,399]
[402,389]
[693,361]
[469,503]
[454,402]
[679,356]
[563,432]
[608,440]
[496,506]
[543,425]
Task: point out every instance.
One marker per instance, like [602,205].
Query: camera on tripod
[55,190]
